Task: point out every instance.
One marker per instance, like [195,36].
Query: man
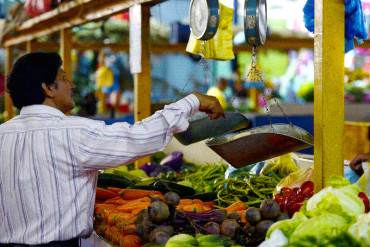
[49,161]
[356,163]
[218,91]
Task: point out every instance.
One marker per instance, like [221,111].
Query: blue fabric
[355,27]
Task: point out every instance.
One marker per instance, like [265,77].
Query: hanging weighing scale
[204,18]
[261,143]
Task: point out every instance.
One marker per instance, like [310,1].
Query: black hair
[28,74]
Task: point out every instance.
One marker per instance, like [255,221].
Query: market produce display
[335,216]
[170,202]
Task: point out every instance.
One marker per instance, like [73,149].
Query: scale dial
[204,18]
[255,22]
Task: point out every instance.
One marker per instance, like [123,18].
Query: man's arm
[102,146]
[356,163]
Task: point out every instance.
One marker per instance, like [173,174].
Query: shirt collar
[41,109]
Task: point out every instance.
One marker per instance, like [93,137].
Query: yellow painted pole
[142,80]
[329,90]
[66,51]
[30,46]
[9,112]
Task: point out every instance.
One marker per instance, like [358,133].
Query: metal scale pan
[201,128]
[259,144]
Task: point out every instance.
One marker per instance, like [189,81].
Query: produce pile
[338,215]
[133,217]
[170,200]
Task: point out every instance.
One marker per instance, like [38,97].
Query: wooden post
[140,64]
[8,103]
[329,90]
[65,51]
[30,46]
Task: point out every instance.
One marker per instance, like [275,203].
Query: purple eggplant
[174,160]
[149,167]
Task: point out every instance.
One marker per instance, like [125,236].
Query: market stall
[170,201]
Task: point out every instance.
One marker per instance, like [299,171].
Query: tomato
[294,207]
[286,191]
[279,198]
[365,199]
[307,189]
[295,191]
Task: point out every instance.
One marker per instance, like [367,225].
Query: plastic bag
[282,166]
[295,179]
[220,47]
[364,181]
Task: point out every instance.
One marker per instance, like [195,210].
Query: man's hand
[356,163]
[210,105]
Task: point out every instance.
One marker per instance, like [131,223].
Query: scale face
[255,22]
[204,18]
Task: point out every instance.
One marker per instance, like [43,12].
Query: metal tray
[259,144]
[201,128]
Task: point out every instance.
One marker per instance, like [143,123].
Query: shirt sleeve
[102,146]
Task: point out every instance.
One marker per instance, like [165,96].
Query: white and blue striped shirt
[49,163]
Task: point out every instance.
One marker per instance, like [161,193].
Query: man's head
[222,84]
[37,78]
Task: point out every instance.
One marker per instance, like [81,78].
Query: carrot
[209,204]
[116,201]
[114,189]
[129,229]
[103,194]
[132,194]
[236,206]
[130,241]
[242,215]
[114,218]
[186,202]
[133,206]
[198,208]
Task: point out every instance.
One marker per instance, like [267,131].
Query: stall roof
[70,14]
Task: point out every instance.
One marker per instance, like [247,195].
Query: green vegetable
[182,240]
[112,180]
[361,229]
[213,240]
[342,201]
[320,228]
[282,166]
[342,240]
[287,226]
[337,182]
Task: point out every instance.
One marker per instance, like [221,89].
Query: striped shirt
[49,163]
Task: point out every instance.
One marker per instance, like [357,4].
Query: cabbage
[361,229]
[342,201]
[287,227]
[319,228]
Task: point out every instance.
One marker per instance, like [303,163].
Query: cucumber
[112,180]
[181,190]
[208,196]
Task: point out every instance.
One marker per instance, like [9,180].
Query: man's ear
[48,90]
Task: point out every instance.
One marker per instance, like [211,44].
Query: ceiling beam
[68,15]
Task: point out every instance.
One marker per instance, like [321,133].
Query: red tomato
[365,199]
[295,207]
[307,189]
[286,191]
[279,198]
[295,191]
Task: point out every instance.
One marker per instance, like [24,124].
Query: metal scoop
[201,128]
[259,144]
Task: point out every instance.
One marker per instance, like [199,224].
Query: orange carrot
[103,194]
[130,241]
[132,194]
[186,202]
[114,189]
[236,206]
[242,215]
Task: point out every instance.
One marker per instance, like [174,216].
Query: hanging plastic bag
[295,179]
[220,47]
[364,181]
[282,166]
[104,77]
